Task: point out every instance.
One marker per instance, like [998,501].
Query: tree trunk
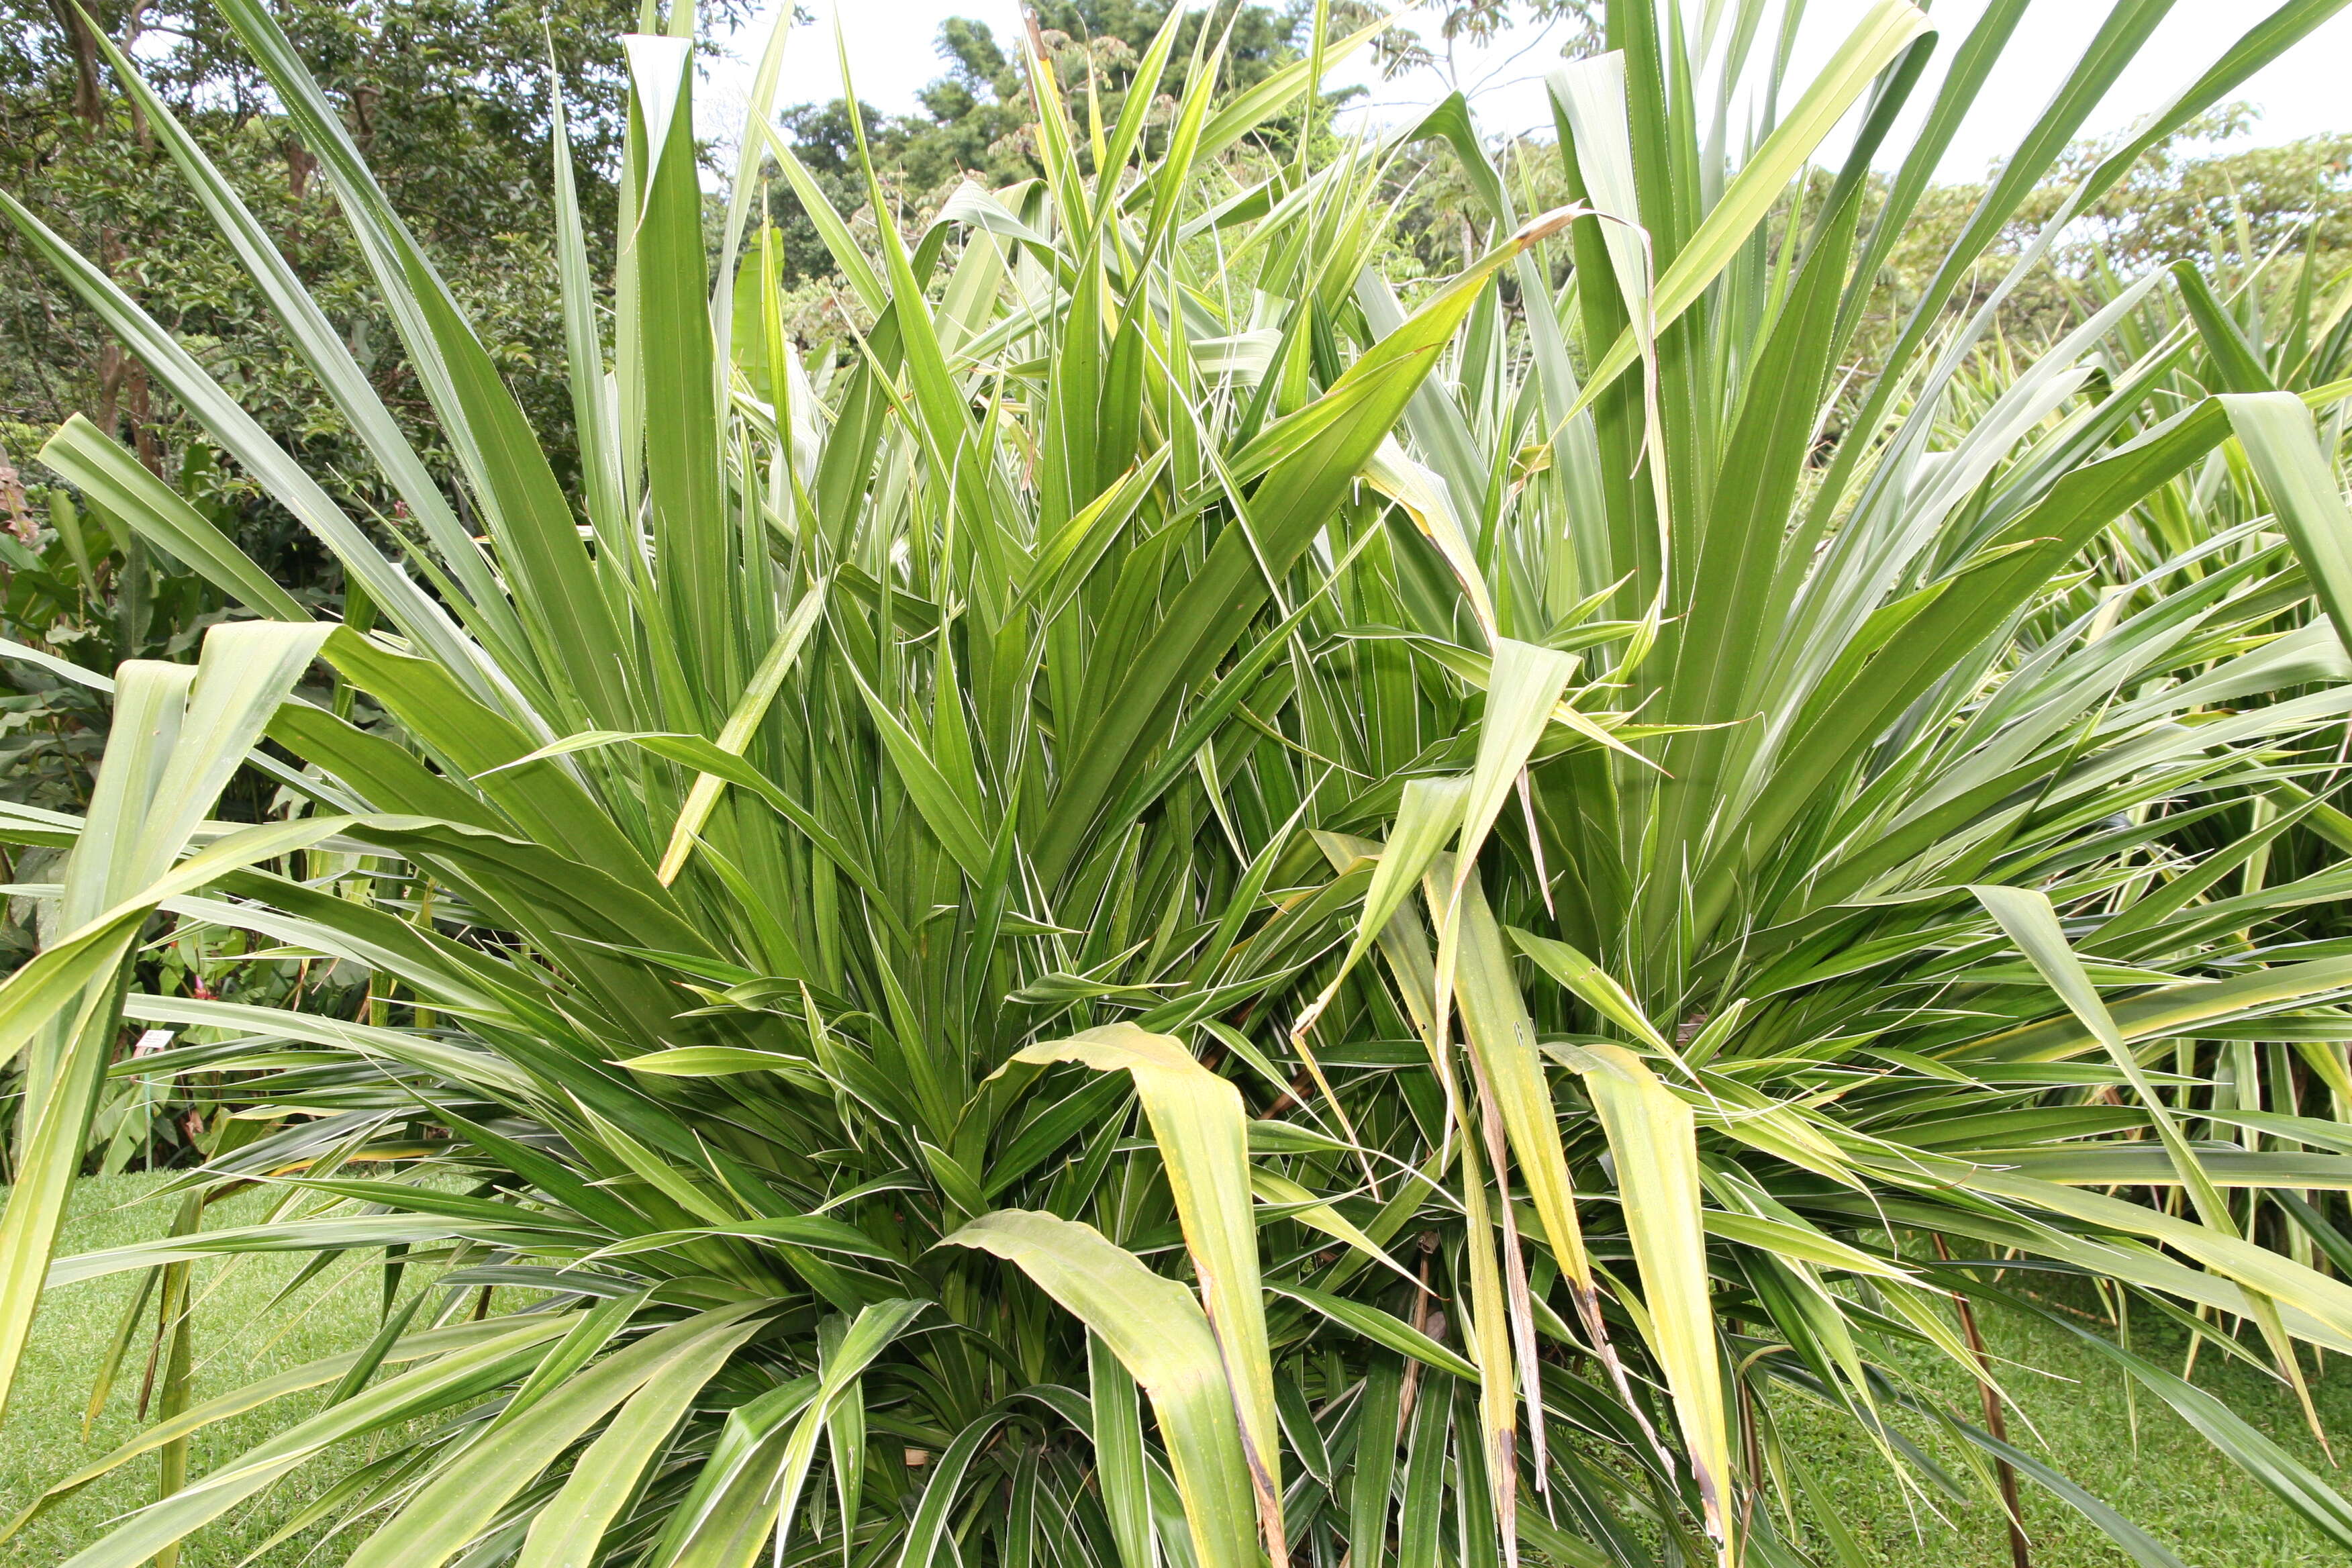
[89,107]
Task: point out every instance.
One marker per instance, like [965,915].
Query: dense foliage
[1467,903]
[452,103]
[462,149]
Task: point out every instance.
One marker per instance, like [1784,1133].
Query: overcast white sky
[892,48]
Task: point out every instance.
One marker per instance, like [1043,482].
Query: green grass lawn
[238,1336]
[2155,1471]
[2162,1475]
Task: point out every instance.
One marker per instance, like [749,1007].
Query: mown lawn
[240,1337]
[2155,1471]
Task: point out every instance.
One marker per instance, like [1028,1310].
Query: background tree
[975,121]
[452,99]
[2267,217]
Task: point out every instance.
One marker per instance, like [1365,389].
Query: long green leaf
[1164,1340]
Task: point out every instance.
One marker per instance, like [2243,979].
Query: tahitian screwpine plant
[1454,903]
